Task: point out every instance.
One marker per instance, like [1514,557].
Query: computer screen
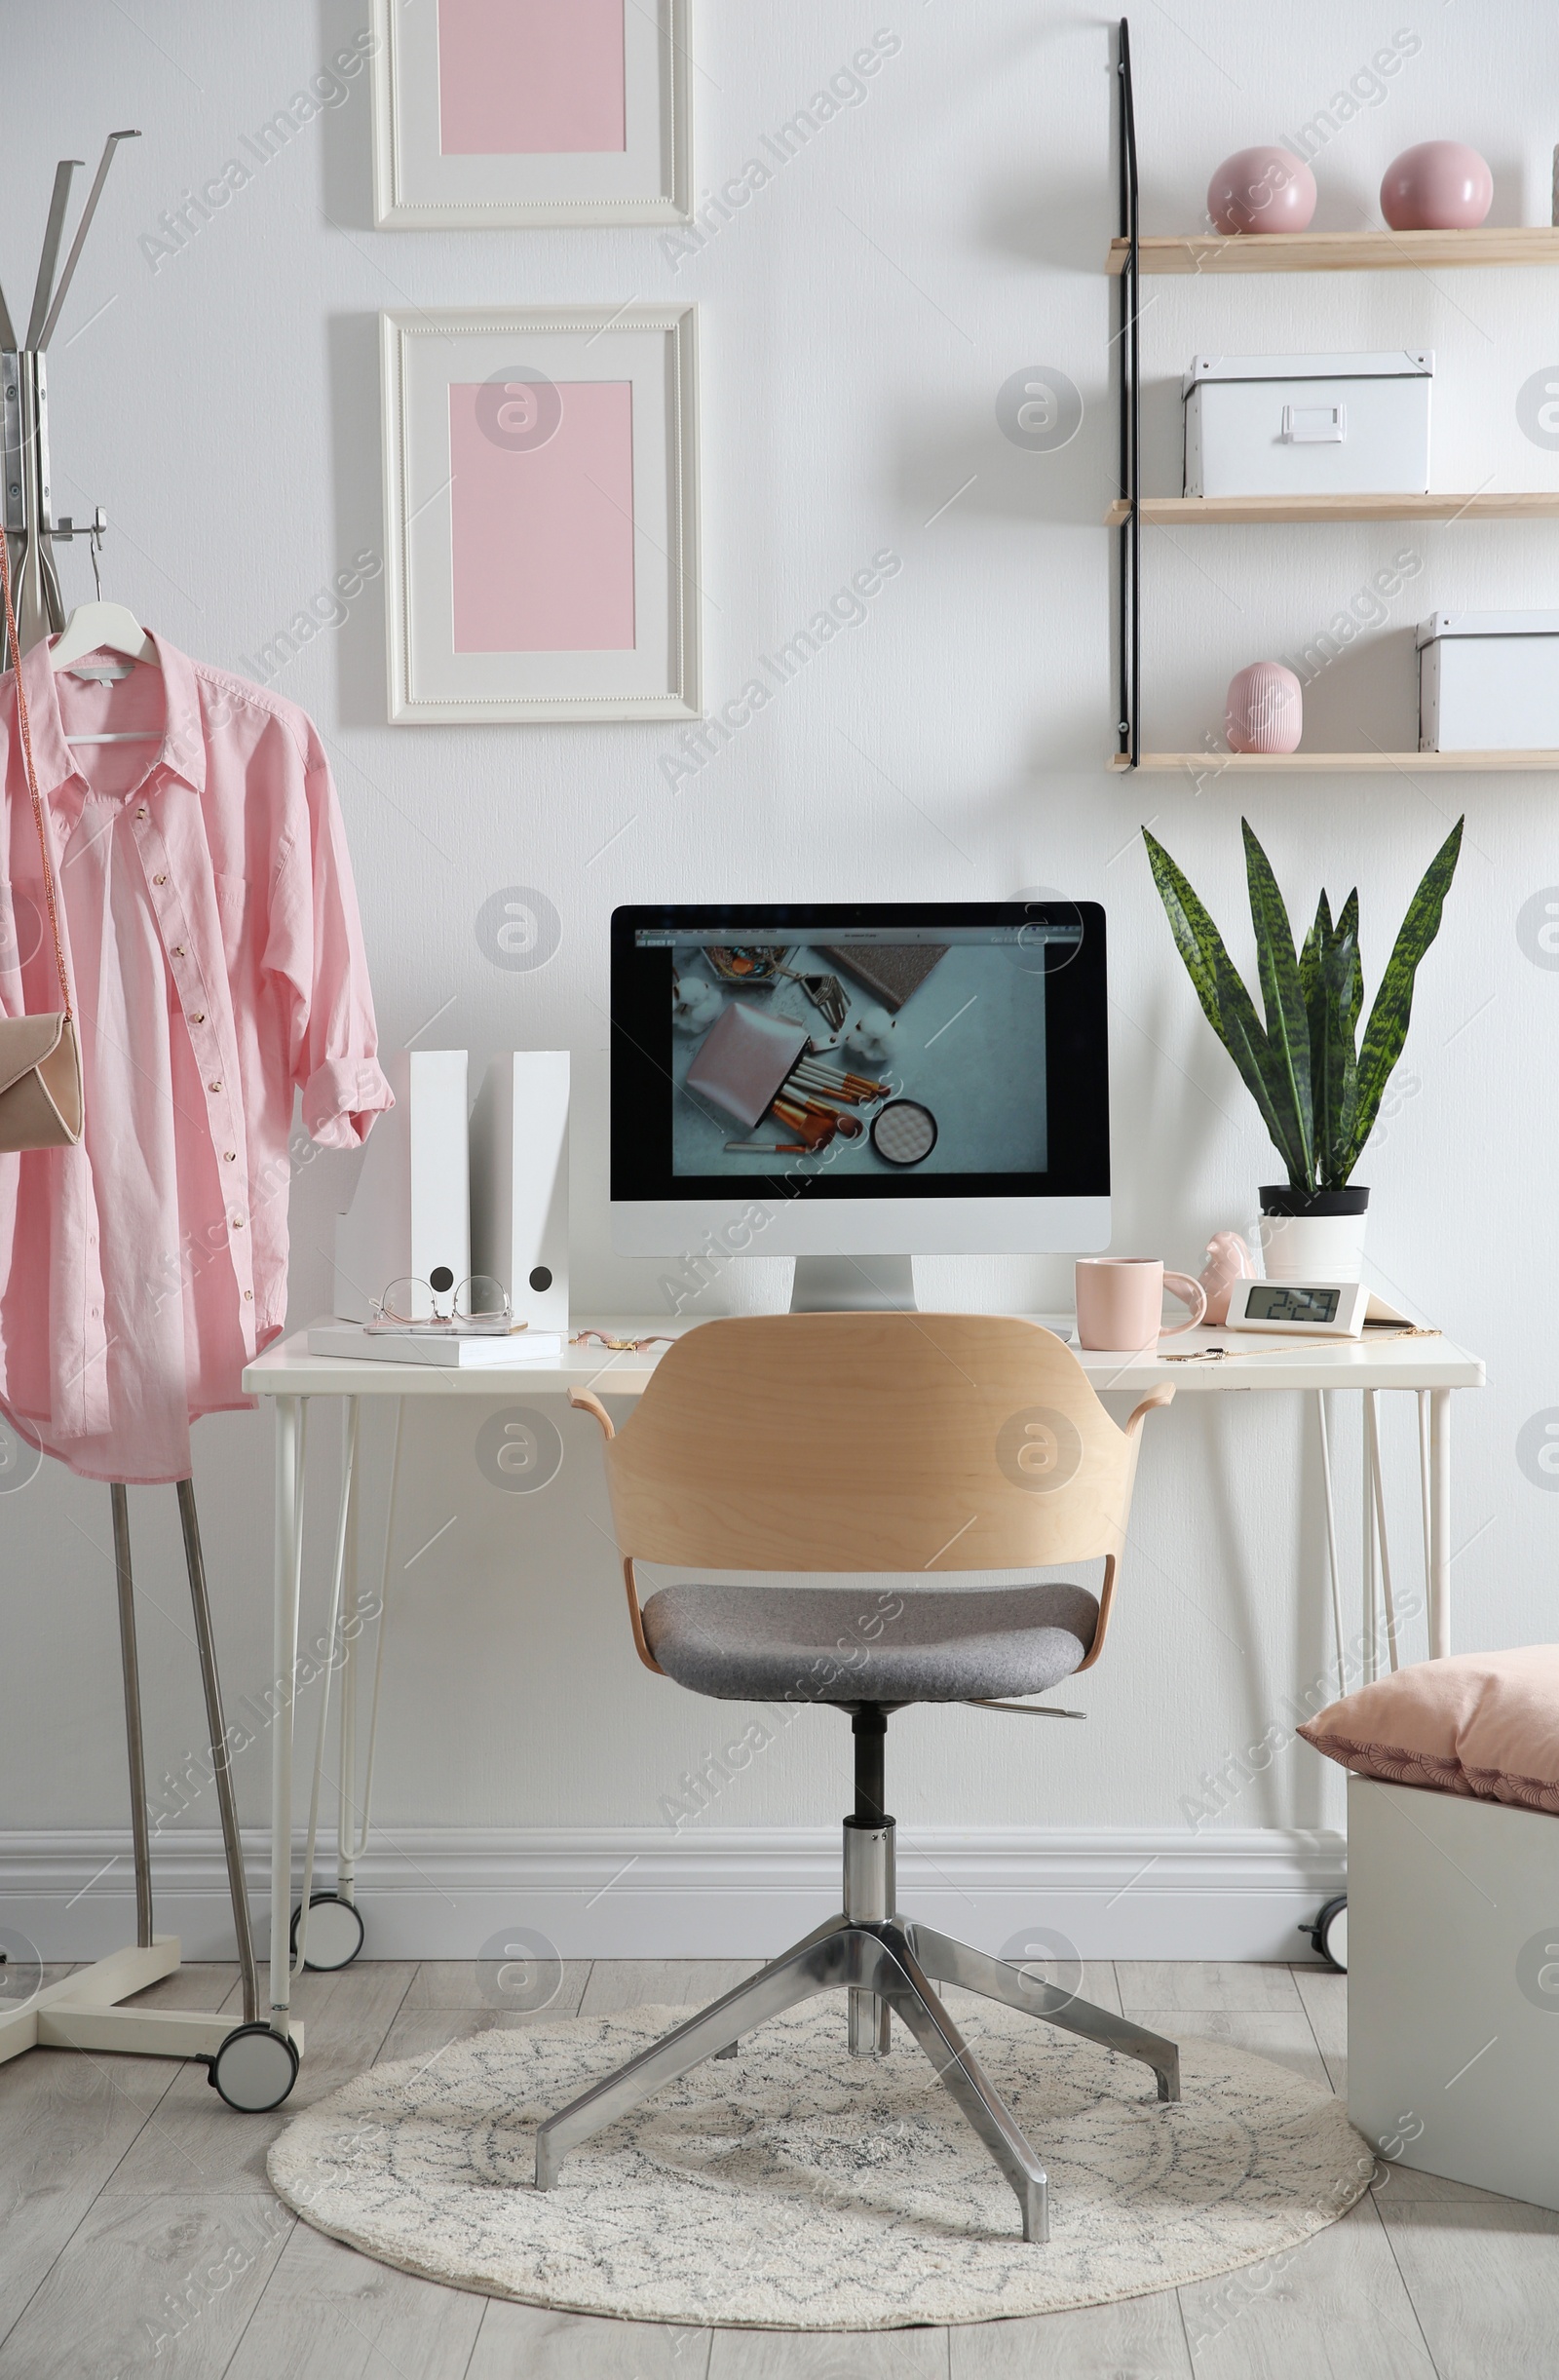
[886,1057]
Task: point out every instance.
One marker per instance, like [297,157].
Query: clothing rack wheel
[255,2069]
[84,2011]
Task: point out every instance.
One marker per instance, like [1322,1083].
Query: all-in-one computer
[856,1085]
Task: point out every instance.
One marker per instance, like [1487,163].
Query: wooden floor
[138,2233]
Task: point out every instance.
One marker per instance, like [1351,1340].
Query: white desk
[1427,1364]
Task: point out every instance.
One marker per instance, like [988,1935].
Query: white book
[453,1352]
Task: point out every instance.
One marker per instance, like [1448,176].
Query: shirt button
[142,811]
[230,1157]
[178,950]
[213,1086]
[199,1017]
[238,1222]
[159,880]
[248,1296]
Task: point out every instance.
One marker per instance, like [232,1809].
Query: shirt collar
[182,751]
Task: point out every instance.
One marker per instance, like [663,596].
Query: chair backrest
[870,1442]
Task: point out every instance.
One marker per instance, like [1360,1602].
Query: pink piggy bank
[1441,185]
[1229,1260]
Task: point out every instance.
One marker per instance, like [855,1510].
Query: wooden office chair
[870,1442]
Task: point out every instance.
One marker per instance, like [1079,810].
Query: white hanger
[92,627]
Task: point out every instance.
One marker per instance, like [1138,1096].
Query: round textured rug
[798,2188]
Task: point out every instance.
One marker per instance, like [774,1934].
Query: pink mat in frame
[531,78]
[542,537]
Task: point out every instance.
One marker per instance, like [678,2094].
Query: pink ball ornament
[1441,185]
[1265,709]
[1263,189]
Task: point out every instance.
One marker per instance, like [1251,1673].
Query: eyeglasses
[622,1347]
[478,1307]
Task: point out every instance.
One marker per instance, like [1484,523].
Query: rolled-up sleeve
[316,946]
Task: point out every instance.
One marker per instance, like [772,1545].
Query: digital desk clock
[1314,1309]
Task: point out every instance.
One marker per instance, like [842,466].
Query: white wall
[857,320]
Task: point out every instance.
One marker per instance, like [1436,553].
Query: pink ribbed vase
[1263,709]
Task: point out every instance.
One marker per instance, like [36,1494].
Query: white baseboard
[649,1893]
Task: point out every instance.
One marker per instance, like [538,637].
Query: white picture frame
[455,652]
[418,186]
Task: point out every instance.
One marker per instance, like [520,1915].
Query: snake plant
[1317,1088]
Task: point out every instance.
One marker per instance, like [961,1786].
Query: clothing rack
[252,2065]
[30,526]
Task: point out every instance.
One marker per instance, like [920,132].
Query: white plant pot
[1313,1246]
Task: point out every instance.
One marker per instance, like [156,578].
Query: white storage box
[519,1183]
[1453,1987]
[1308,425]
[410,1210]
[1489,681]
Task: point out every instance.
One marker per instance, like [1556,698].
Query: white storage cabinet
[1308,425]
[1453,1987]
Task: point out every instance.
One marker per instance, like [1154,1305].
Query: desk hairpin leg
[291,1429]
[329,1918]
[1331,1544]
[346,1817]
[384,1622]
[1372,1435]
[1437,1502]
[328,1931]
[1369,1646]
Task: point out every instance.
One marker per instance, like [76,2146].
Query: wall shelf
[1325,252]
[1211,511]
[1338,251]
[1253,764]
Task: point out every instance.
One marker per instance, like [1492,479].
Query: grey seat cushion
[826,1645]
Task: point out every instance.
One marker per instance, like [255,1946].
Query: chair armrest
[1163,1394]
[636,1617]
[587,1401]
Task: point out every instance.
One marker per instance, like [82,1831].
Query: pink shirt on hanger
[210,930]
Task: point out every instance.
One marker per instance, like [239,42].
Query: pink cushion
[1485,1724]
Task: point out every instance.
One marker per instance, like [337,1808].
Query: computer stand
[852,1284]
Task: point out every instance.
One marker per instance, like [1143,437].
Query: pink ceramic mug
[1120,1302]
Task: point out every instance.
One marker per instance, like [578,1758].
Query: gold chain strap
[32,774]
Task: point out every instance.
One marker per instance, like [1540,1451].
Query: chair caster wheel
[335,1933]
[253,2070]
[1329,1934]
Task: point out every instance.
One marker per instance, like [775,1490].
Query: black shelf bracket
[1128,622]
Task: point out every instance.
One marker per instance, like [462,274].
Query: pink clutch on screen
[745,1059]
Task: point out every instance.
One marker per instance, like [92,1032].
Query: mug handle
[1193,1294]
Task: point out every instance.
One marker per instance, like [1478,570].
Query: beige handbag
[40,1056]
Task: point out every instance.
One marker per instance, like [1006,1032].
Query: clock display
[1274,1301]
